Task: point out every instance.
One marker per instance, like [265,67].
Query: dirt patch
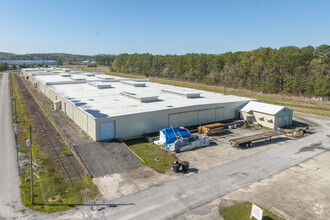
[120,184]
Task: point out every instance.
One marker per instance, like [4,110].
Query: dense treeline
[292,70]
[104,60]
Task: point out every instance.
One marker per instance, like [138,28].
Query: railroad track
[69,167]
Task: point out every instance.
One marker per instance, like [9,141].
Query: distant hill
[59,57]
[5,54]
[104,55]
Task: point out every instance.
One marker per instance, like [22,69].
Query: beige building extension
[267,115]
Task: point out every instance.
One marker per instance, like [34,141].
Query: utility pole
[29,144]
[11,83]
[225,79]
[224,88]
[225,84]
[15,111]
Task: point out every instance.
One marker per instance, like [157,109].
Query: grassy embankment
[242,211]
[50,177]
[291,102]
[151,154]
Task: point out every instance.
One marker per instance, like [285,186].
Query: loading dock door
[287,120]
[279,122]
[195,117]
[107,130]
[219,114]
[183,119]
[206,116]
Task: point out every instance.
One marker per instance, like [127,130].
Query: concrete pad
[221,151]
[301,192]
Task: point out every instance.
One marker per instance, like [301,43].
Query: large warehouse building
[108,107]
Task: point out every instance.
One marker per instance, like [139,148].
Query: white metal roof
[262,107]
[108,102]
[58,79]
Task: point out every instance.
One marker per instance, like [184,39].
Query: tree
[59,61]
[45,65]
[3,66]
[291,70]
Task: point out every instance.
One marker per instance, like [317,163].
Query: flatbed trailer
[247,140]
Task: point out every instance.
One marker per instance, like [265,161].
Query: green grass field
[151,154]
[300,106]
[242,211]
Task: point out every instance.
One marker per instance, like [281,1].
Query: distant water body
[29,62]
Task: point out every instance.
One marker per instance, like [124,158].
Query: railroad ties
[68,165]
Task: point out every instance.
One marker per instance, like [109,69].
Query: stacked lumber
[211,129]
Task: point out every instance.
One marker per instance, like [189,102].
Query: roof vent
[100,85]
[134,83]
[78,78]
[182,92]
[64,74]
[87,74]
[105,77]
[140,97]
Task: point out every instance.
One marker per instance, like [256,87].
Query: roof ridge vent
[182,92]
[105,77]
[134,83]
[88,74]
[78,78]
[100,85]
[64,74]
[139,97]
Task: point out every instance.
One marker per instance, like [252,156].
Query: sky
[92,27]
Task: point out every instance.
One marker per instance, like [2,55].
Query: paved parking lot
[103,158]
